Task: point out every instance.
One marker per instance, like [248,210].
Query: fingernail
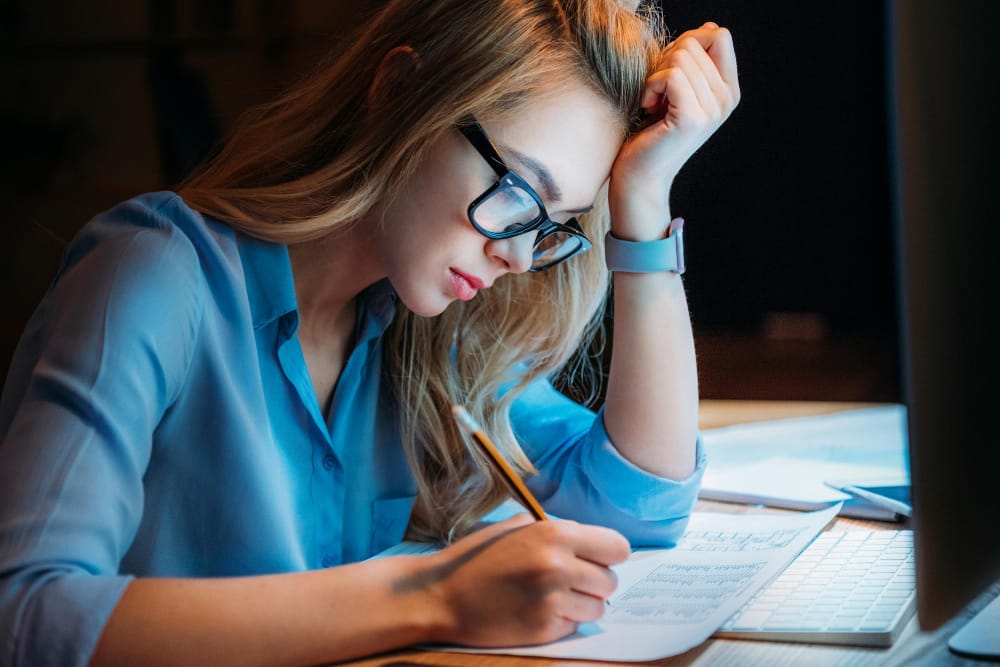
[711,24]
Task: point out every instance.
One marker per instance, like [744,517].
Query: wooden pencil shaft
[513,480]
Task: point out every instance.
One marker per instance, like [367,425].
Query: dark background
[791,277]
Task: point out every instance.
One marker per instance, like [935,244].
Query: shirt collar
[376,308]
[268,272]
[271,288]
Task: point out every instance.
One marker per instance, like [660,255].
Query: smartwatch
[647,256]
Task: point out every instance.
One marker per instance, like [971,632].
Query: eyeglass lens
[507,209]
[510,207]
[553,247]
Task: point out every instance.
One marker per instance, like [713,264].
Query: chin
[420,296]
[428,312]
[424,305]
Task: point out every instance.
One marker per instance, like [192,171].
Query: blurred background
[789,234]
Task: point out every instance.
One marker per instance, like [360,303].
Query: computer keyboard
[847,587]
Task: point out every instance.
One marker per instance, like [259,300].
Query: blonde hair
[327,151]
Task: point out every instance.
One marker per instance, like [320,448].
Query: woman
[228,392]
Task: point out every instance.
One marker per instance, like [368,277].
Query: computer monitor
[945,72]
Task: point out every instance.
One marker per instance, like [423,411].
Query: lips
[472,280]
[465,286]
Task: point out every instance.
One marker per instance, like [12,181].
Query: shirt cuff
[635,491]
[62,621]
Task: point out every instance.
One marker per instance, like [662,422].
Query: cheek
[434,214]
[448,181]
[426,231]
[426,228]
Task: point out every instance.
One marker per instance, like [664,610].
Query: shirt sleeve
[99,363]
[582,476]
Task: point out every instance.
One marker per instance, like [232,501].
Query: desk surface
[913,647]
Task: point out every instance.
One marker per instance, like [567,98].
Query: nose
[516,252]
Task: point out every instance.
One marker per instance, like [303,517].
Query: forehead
[573,133]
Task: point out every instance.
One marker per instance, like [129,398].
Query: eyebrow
[551,188]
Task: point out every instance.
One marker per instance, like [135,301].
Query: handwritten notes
[669,601]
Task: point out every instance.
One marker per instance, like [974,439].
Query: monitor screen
[945,71]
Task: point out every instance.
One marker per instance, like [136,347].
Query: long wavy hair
[328,151]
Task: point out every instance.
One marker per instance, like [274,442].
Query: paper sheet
[409,549]
[788,482]
[872,436]
[669,601]
[785,462]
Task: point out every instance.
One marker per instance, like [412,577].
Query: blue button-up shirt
[159,420]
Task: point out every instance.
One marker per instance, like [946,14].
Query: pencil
[512,479]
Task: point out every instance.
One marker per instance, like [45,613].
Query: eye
[515,198]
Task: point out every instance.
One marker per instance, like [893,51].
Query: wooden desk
[912,648]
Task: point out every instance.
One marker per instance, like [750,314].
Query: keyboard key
[847,587]
[750,621]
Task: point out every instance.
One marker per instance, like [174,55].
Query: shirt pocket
[390,518]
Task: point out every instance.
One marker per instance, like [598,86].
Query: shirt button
[327,561]
[329,462]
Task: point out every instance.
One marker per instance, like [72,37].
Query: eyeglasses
[511,207]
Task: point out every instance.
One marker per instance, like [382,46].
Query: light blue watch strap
[647,256]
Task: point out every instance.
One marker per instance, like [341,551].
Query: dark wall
[787,206]
[104,99]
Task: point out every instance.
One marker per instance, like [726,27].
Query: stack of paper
[784,463]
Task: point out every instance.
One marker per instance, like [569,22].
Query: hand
[524,582]
[692,91]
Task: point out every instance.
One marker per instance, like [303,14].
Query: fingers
[712,49]
[594,581]
[597,544]
[522,581]
[701,81]
[560,615]
[683,113]
[718,43]
[712,91]
[688,90]
[723,54]
[577,579]
[657,85]
[565,556]
[579,608]
[592,550]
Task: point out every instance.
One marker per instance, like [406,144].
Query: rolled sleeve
[100,362]
[633,490]
[81,602]
[582,476]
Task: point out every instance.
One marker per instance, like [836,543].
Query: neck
[329,274]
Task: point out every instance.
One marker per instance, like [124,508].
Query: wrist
[640,221]
[639,215]
[424,602]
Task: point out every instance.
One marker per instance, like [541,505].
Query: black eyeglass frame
[507,178]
